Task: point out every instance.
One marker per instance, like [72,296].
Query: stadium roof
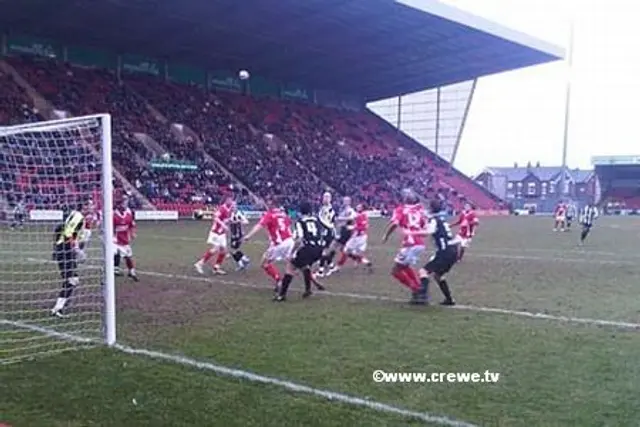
[372,48]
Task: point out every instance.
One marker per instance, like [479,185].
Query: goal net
[56,293]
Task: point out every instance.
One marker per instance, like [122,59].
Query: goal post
[48,169]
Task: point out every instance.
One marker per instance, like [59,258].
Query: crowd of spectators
[276,148]
[265,167]
[82,91]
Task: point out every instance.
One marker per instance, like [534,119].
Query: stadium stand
[618,178]
[277,148]
[272,136]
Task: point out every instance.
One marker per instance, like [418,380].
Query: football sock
[116,260]
[460,254]
[356,258]
[206,256]
[413,277]
[237,256]
[402,277]
[306,273]
[272,271]
[323,262]
[220,258]
[60,303]
[343,259]
[286,281]
[584,235]
[424,282]
[67,288]
[332,255]
[444,288]
[131,265]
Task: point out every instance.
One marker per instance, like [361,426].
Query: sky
[519,116]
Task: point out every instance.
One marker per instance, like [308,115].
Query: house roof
[543,173]
[374,49]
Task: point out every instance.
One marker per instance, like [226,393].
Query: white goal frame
[109,295]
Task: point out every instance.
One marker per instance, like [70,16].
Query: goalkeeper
[66,253]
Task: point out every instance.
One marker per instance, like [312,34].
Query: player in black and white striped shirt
[588,217]
[236,223]
[327,217]
[308,249]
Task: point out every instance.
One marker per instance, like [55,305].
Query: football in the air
[243,75]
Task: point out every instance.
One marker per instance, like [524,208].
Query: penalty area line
[240,374]
[480,309]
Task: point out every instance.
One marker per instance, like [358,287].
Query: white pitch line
[481,309]
[331,396]
[491,253]
[527,314]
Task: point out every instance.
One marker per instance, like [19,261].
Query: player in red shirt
[411,218]
[356,246]
[467,222]
[278,226]
[92,220]
[560,216]
[217,239]
[124,227]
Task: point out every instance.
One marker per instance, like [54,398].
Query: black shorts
[236,242]
[345,235]
[19,217]
[306,256]
[67,264]
[329,236]
[442,262]
[569,218]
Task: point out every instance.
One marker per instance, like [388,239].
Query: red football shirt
[278,225]
[124,226]
[220,218]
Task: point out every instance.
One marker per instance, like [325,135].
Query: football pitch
[558,322]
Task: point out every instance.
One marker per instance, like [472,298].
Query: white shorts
[409,255]
[217,240]
[560,218]
[464,242]
[124,251]
[356,245]
[281,251]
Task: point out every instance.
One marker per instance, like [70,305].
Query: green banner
[184,166]
[91,58]
[263,87]
[225,80]
[187,75]
[19,45]
[140,64]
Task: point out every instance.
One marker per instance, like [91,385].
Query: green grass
[553,373]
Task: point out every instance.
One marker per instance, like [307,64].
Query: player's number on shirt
[282,226]
[413,220]
[312,229]
[447,229]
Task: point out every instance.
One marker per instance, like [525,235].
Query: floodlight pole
[567,111]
